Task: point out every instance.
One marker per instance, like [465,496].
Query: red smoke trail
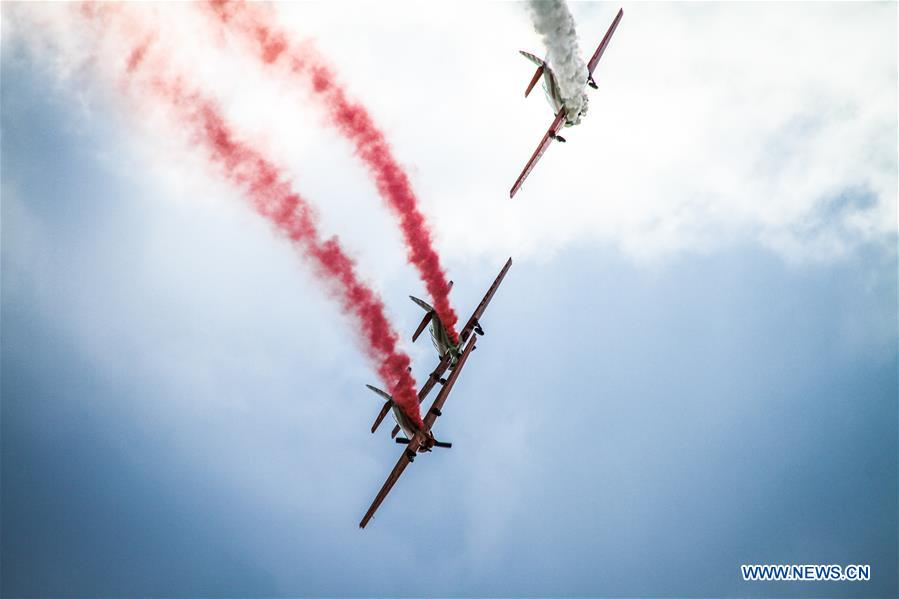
[352,119]
[273,198]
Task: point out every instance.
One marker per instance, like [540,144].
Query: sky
[691,365]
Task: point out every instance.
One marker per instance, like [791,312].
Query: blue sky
[183,410]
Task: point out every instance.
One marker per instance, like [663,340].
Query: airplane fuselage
[554,94]
[440,337]
[552,90]
[403,421]
[443,343]
[420,440]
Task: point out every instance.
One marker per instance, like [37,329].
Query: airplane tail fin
[540,66]
[384,409]
[429,312]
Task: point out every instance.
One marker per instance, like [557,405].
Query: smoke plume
[553,21]
[268,193]
[255,25]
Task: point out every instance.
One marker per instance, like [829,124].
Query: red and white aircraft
[554,96]
[421,439]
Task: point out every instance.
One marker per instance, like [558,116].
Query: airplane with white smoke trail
[558,101]
[453,357]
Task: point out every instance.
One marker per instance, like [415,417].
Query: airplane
[440,337]
[421,439]
[557,102]
[448,351]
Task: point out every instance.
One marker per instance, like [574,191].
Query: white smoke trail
[553,21]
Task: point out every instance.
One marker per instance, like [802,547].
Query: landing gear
[558,137]
[436,412]
[411,455]
[592,83]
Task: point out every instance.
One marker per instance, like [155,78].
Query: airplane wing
[432,414]
[429,421]
[544,144]
[605,42]
[388,484]
[479,311]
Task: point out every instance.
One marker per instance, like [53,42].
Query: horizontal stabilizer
[534,80]
[427,317]
[536,60]
[442,444]
[402,440]
[422,304]
[381,393]
[421,327]
[381,414]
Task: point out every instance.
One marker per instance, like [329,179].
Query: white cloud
[714,124]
